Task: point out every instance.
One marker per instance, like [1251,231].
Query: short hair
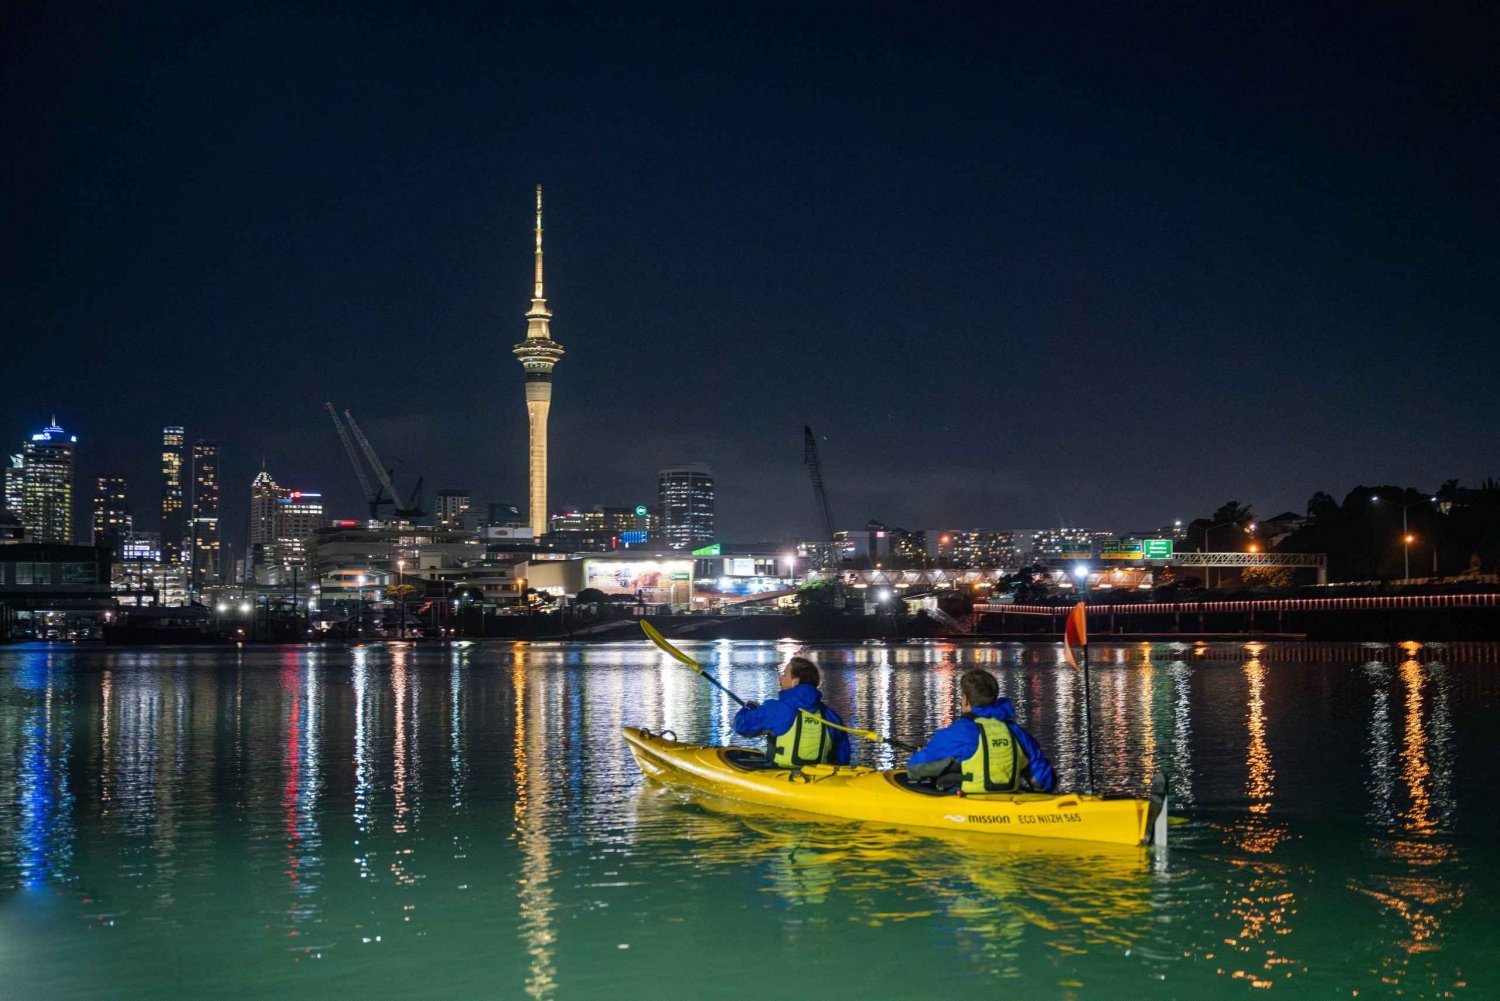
[803,670]
[979,687]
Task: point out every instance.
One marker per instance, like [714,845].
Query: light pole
[359,605]
[401,590]
[1406,536]
[1207,571]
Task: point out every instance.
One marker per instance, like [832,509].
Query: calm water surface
[401,821]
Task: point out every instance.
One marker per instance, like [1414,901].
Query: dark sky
[1020,265]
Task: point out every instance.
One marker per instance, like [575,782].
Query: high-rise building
[538,354]
[174,527]
[112,522]
[452,504]
[205,527]
[686,495]
[263,495]
[15,484]
[47,485]
[281,522]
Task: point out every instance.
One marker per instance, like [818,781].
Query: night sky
[1017,265]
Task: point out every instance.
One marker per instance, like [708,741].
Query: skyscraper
[281,522]
[112,523]
[47,485]
[205,534]
[686,495]
[174,529]
[538,353]
[15,484]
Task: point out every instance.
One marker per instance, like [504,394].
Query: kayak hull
[865,794]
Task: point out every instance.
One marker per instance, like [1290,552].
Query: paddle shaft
[1088,726]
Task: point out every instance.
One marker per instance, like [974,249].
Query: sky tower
[538,353]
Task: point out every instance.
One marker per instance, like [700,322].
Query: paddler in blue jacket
[985,749]
[793,721]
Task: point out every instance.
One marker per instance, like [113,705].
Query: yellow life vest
[998,763]
[806,742]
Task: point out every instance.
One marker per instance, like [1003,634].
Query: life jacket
[806,742]
[998,763]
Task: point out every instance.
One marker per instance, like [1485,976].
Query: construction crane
[815,470]
[373,497]
[413,508]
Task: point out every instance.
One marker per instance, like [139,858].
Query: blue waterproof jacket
[960,739]
[776,716]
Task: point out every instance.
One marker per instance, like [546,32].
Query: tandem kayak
[866,794]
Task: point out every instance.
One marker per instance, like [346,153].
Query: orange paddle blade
[1075,632]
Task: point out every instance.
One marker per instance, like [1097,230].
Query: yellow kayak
[856,793]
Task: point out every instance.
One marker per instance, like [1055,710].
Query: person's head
[979,687]
[799,671]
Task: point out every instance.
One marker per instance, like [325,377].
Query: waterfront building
[451,506]
[204,552]
[881,544]
[14,484]
[112,522]
[538,355]
[686,496]
[11,529]
[47,485]
[174,528]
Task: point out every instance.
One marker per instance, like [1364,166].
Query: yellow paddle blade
[661,641]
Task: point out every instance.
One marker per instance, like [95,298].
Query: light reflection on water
[383,815]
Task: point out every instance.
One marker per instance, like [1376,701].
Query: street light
[401,590]
[1405,532]
[359,605]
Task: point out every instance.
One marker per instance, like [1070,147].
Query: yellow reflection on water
[536,905]
[1265,906]
[1000,893]
[1417,892]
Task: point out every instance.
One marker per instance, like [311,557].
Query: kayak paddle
[867,734]
[661,641]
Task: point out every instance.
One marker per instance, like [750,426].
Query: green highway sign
[1083,550]
[1158,549]
[1121,549]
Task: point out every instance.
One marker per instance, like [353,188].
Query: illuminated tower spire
[538,353]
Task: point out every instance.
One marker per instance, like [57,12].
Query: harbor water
[398,820]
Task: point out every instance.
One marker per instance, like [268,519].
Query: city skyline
[988,267]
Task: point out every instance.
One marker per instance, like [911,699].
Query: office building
[47,485]
[112,522]
[686,496]
[538,354]
[281,523]
[174,526]
[205,525]
[14,484]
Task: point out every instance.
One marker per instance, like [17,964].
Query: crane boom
[359,469]
[815,470]
[369,450]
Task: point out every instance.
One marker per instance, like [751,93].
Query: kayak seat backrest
[749,761]
[921,788]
